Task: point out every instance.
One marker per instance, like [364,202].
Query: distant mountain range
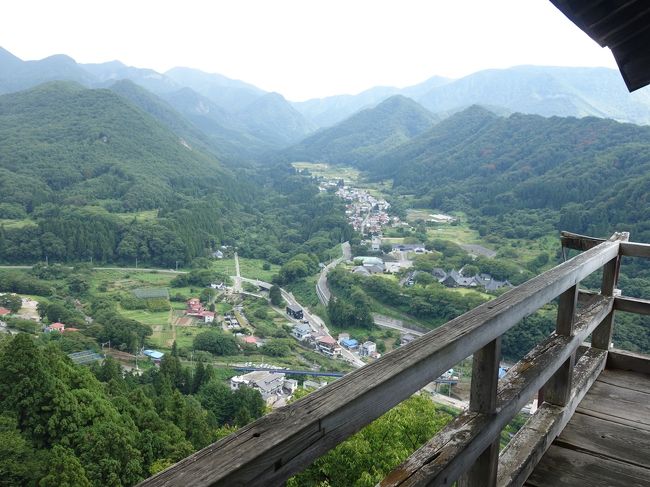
[540,90]
[242,122]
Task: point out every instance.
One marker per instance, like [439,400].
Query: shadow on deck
[607,441]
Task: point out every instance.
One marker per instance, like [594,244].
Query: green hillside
[86,174]
[587,175]
[365,134]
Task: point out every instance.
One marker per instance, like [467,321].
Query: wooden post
[483,399]
[558,389]
[602,336]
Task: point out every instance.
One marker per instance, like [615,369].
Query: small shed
[295,311]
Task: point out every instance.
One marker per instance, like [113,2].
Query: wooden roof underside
[621,25]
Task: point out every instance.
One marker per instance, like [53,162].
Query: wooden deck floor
[607,441]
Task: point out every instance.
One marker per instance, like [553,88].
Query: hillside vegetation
[78,167]
[588,175]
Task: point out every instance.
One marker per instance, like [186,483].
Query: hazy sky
[303,48]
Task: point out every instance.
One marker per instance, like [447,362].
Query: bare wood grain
[624,360]
[441,461]
[606,439]
[529,444]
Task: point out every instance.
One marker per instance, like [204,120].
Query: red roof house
[4,312]
[56,327]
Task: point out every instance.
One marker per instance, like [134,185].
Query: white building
[268,383]
[368,349]
[301,331]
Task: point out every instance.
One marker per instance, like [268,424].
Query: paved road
[236,287]
[316,323]
[322,289]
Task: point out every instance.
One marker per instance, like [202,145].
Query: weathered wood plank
[619,404]
[558,389]
[634,249]
[607,439]
[441,460]
[562,467]
[579,242]
[636,381]
[279,445]
[527,447]
[483,399]
[624,360]
[602,336]
[632,305]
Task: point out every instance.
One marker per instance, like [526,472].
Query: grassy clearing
[330,171]
[225,266]
[253,269]
[460,234]
[145,317]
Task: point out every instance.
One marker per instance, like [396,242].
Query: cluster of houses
[365,349]
[366,214]
[320,342]
[369,266]
[274,387]
[195,309]
[231,322]
[456,278]
[331,347]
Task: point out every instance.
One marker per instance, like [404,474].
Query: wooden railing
[281,444]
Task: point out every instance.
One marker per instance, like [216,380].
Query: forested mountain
[197,120]
[365,134]
[589,175]
[86,174]
[272,119]
[242,120]
[165,114]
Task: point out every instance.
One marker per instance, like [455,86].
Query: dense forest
[63,424]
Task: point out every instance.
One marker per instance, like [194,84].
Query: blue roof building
[350,343]
[154,354]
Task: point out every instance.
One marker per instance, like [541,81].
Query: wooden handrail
[448,454]
[277,446]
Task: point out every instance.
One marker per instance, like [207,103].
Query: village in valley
[279,348]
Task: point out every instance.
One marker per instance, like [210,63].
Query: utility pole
[47,262]
[136,262]
[176,266]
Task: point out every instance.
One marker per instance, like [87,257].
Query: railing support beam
[483,399]
[602,336]
[558,389]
